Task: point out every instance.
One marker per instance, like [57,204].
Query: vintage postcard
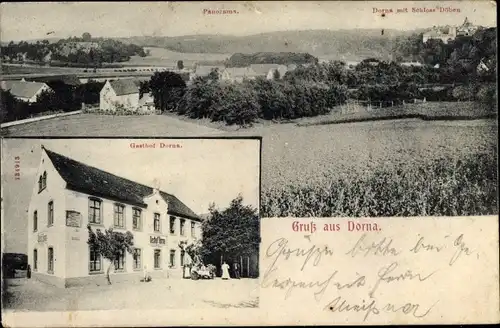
[378,123]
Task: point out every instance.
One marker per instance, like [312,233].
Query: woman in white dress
[225,271]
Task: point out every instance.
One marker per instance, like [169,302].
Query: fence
[356,106]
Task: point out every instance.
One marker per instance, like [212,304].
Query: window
[172,224]
[120,261]
[157,222]
[50,213]
[50,260]
[95,210]
[44,180]
[35,259]
[95,261]
[136,218]
[119,216]
[183,254]
[193,231]
[35,221]
[40,184]
[183,224]
[157,259]
[172,258]
[136,255]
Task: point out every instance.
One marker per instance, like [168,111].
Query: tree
[86,36]
[167,88]
[111,245]
[180,64]
[230,233]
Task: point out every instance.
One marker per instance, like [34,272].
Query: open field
[466,110]
[166,57]
[108,125]
[30,295]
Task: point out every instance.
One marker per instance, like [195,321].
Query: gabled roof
[70,79]
[90,180]
[125,86]
[23,89]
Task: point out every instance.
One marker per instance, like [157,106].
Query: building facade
[119,94]
[69,196]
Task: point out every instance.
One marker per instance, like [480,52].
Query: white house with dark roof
[25,91]
[119,94]
[69,195]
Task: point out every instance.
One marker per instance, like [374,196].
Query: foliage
[193,249]
[72,51]
[231,232]
[180,64]
[283,58]
[167,88]
[488,94]
[466,186]
[110,244]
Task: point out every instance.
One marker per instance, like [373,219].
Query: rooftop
[125,86]
[93,181]
[22,89]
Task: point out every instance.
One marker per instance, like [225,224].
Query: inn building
[69,195]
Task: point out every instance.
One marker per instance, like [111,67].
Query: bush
[487,95]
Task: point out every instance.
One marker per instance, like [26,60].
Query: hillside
[353,44]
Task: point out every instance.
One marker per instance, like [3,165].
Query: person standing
[236,268]
[225,271]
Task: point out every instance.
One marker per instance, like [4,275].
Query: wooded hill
[349,44]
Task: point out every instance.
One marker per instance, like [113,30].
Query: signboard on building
[42,238]
[73,219]
[157,240]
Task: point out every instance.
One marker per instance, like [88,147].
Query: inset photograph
[102,224]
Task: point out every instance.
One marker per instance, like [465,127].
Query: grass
[467,186]
[425,111]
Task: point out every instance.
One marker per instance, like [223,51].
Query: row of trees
[228,234]
[68,51]
[242,103]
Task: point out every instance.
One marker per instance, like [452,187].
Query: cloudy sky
[24,21]
[201,172]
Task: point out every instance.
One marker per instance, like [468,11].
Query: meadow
[165,57]
[386,168]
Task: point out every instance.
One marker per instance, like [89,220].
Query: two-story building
[69,195]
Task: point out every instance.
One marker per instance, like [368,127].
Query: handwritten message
[387,271]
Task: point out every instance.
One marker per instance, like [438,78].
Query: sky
[201,172]
[26,21]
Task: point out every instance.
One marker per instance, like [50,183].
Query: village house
[238,74]
[204,70]
[25,90]
[123,94]
[69,195]
[269,70]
